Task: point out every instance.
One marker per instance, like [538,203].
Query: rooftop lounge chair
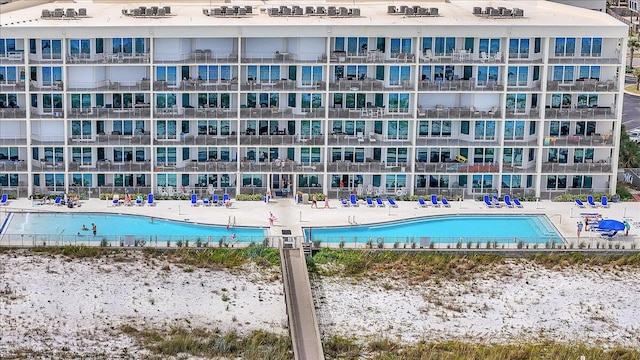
[392,203]
[604,202]
[488,202]
[590,201]
[379,202]
[150,200]
[370,203]
[194,200]
[4,200]
[507,201]
[344,202]
[421,202]
[517,203]
[579,203]
[434,201]
[353,200]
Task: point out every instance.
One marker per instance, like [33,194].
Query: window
[487,74]
[589,72]
[122,45]
[7,46]
[587,100]
[214,74]
[81,155]
[556,182]
[11,100]
[399,74]
[517,103]
[489,46]
[591,47]
[398,103]
[81,129]
[165,101]
[512,156]
[81,101]
[311,101]
[51,49]
[165,129]
[565,46]
[163,155]
[309,155]
[518,76]
[395,181]
[439,128]
[400,45]
[444,45]
[9,179]
[560,100]
[514,130]
[485,130]
[482,182]
[519,48]
[167,73]
[8,74]
[582,181]
[310,75]
[313,127]
[585,128]
[563,73]
[353,72]
[9,153]
[51,75]
[397,156]
[398,129]
[265,73]
[511,181]
[52,101]
[79,46]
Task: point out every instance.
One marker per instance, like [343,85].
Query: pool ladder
[231,222]
[352,220]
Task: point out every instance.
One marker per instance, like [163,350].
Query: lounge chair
[4,200]
[496,202]
[151,200]
[604,202]
[225,198]
[216,200]
[517,203]
[344,202]
[421,202]
[206,202]
[590,201]
[579,203]
[445,203]
[379,202]
[370,202]
[488,202]
[434,201]
[507,201]
[353,200]
[392,203]
[194,200]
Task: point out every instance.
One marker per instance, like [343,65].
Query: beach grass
[197,257]
[256,345]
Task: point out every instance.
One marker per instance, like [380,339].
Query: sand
[52,304]
[514,302]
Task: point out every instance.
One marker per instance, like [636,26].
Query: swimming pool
[446,229]
[113,227]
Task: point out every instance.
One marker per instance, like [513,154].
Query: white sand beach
[53,304]
[512,303]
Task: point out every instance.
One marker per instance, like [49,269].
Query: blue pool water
[112,226]
[447,229]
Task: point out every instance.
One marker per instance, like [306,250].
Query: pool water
[447,229]
[112,226]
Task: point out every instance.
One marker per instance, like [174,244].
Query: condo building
[457,98]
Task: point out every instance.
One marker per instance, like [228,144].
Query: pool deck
[294,217]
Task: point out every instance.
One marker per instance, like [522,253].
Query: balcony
[453,142]
[111,166]
[561,59]
[459,85]
[281,166]
[13,113]
[198,56]
[578,140]
[194,85]
[599,112]
[340,139]
[600,166]
[8,139]
[12,57]
[108,85]
[112,139]
[358,85]
[109,113]
[281,113]
[367,167]
[189,139]
[590,85]
[175,112]
[117,58]
[456,167]
[42,165]
[6,86]
[441,112]
[277,140]
[208,166]
[373,112]
[13,165]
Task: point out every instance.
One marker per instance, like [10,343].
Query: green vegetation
[249,197]
[204,257]
[343,348]
[425,266]
[256,345]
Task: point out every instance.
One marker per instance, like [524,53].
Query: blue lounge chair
[590,201]
[379,202]
[216,200]
[139,201]
[344,202]
[604,202]
[4,200]
[517,203]
[507,201]
[225,199]
[579,203]
[421,202]
[434,201]
[206,202]
[445,203]
[370,202]
[151,200]
[194,200]
[487,202]
[392,203]
[353,200]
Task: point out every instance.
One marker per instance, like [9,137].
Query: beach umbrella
[610,225]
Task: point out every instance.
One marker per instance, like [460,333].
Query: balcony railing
[368,167]
[114,139]
[571,59]
[11,86]
[579,140]
[109,113]
[13,165]
[589,85]
[580,113]
[108,166]
[281,113]
[108,85]
[13,113]
[456,167]
[275,140]
[15,140]
[440,112]
[597,167]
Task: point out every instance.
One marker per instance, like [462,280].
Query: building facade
[455,99]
